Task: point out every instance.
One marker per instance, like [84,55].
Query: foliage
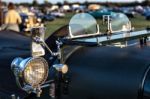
[146,2]
[34,3]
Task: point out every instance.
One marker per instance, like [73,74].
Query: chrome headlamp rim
[45,70]
[19,66]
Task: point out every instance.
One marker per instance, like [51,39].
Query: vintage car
[75,62]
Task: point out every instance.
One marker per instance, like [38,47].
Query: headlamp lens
[36,71]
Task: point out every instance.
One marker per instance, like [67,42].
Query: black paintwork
[108,72]
[95,72]
[12,45]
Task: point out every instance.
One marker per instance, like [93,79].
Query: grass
[138,23]
[57,23]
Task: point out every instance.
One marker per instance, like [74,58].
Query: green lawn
[57,23]
[138,23]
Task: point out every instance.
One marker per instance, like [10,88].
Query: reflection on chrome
[30,73]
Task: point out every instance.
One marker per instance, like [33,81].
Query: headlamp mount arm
[37,36]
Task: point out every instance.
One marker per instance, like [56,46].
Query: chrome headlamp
[31,71]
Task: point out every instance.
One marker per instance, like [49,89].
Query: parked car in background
[57,14]
[129,13]
[45,17]
[147,16]
[24,16]
[146,10]
[78,8]
[93,7]
[99,13]
[66,8]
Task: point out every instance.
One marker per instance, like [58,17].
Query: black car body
[95,71]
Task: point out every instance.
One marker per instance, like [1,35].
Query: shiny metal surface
[38,34]
[117,37]
[32,71]
[61,67]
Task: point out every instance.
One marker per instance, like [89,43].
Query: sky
[55,1]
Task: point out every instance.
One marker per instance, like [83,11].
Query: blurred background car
[45,17]
[57,14]
[147,16]
[100,13]
[23,17]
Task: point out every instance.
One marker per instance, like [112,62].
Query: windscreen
[120,22]
[82,24]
